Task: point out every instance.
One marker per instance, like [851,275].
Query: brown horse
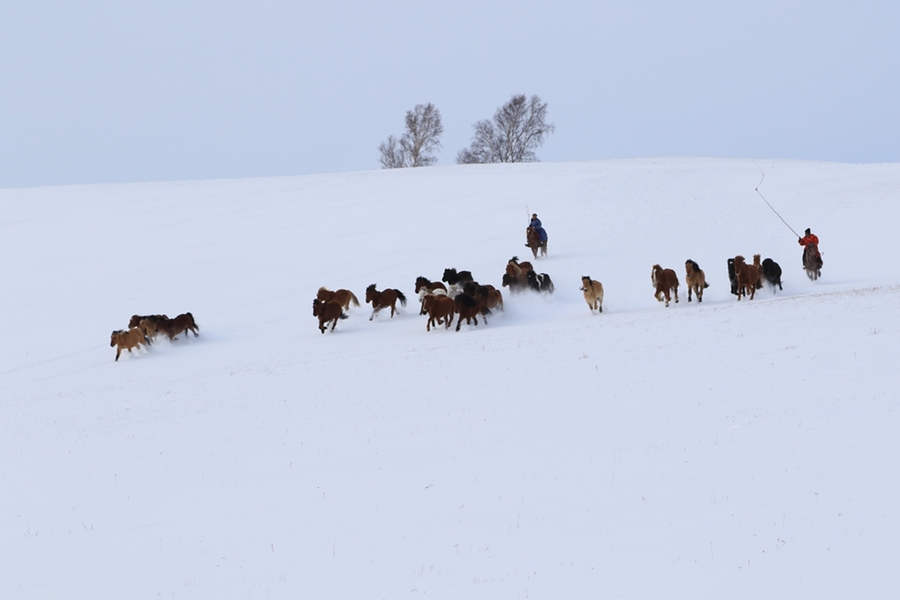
[172,327]
[426,287]
[695,279]
[385,299]
[516,277]
[489,296]
[593,293]
[136,319]
[328,312]
[534,242]
[342,297]
[440,310]
[664,280]
[747,277]
[126,340]
[812,261]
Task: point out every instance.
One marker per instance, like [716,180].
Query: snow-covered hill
[739,450]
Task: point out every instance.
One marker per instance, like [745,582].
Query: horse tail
[705,284]
[353,298]
[401,297]
[344,315]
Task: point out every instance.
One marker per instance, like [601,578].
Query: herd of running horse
[458,296]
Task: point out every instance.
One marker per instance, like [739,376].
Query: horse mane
[693,264]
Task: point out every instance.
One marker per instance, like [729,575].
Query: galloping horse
[328,312]
[468,308]
[812,261]
[342,297]
[593,293]
[540,282]
[664,280]
[440,310]
[533,238]
[695,279]
[126,340]
[747,277]
[172,327]
[771,272]
[425,287]
[385,299]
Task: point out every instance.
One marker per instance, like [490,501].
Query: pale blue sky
[103,91]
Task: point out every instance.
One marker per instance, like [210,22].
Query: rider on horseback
[536,223]
[809,238]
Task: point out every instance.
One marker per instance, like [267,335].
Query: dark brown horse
[695,279]
[468,308]
[183,322]
[328,312]
[747,277]
[342,297]
[440,310]
[812,261]
[385,299]
[533,239]
[664,281]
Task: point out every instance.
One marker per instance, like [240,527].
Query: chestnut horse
[516,277]
[664,280]
[440,310]
[126,340]
[533,237]
[183,322]
[747,277]
[385,299]
[593,293]
[695,279]
[342,297]
[328,312]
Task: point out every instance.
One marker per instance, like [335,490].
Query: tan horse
[747,277]
[126,340]
[664,280]
[385,299]
[534,242]
[695,279]
[172,327]
[328,312]
[342,297]
[440,310]
[593,293]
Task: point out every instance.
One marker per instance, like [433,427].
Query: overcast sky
[112,91]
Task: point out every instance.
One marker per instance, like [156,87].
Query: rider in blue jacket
[536,223]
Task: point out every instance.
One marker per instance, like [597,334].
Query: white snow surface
[717,450]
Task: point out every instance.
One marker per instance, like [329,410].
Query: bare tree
[417,145]
[518,127]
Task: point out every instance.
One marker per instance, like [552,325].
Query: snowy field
[721,450]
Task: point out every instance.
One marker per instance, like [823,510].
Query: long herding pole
[767,202]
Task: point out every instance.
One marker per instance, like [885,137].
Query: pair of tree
[518,127]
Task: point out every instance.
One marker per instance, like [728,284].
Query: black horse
[540,282]
[771,272]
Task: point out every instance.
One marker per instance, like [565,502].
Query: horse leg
[689,292]
[676,294]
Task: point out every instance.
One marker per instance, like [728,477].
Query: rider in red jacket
[809,238]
